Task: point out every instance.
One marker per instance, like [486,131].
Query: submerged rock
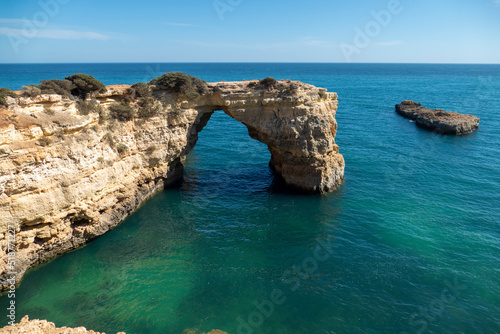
[438,120]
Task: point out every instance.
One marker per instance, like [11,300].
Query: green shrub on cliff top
[54,86]
[79,85]
[4,92]
[268,83]
[7,92]
[31,91]
[141,89]
[179,82]
[3,102]
[85,84]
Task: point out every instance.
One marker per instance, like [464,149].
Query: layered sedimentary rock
[299,130]
[438,120]
[26,326]
[67,177]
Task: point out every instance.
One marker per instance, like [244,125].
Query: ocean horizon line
[337,63]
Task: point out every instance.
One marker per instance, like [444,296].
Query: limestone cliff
[68,177]
[26,326]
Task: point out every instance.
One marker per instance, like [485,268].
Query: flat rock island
[438,120]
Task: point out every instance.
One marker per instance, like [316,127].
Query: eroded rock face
[67,178]
[438,120]
[26,326]
[299,131]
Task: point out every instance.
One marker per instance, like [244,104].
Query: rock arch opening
[299,129]
[226,161]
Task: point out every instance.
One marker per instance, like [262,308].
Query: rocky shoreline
[26,326]
[438,120]
[67,176]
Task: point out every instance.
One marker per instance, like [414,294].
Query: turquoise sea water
[410,243]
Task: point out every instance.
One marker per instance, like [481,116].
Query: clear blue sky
[417,31]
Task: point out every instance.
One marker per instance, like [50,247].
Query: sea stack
[438,120]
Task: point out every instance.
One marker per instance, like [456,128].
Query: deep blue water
[410,242]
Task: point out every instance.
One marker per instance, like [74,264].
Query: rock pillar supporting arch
[299,130]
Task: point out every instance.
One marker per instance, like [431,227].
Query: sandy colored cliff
[26,326]
[67,178]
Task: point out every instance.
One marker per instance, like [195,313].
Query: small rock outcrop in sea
[438,120]
[72,169]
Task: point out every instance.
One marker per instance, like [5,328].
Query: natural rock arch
[67,177]
[299,129]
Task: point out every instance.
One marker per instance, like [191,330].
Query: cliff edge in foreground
[73,168]
[438,120]
[26,326]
